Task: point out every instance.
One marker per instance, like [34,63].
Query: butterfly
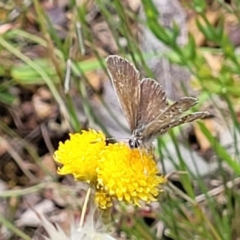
[144,103]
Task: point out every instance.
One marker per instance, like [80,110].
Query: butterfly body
[145,105]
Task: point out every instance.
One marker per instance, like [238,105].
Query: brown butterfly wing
[125,79]
[172,117]
[152,101]
[158,128]
[176,109]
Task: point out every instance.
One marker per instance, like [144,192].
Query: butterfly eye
[134,143]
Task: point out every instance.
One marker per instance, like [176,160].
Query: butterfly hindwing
[157,128]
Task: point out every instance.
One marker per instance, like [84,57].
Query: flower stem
[84,209]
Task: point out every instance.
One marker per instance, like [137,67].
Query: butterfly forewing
[125,79]
[152,101]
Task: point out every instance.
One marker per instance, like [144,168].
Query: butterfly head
[134,142]
[136,139]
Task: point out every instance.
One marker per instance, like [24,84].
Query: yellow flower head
[130,175]
[79,155]
[102,199]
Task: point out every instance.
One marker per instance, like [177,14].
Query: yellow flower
[130,175]
[79,155]
[102,199]
[114,171]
